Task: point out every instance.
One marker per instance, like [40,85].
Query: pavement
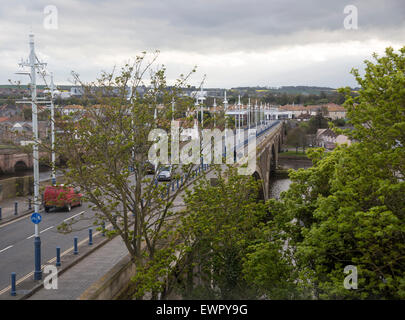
[73,283]
[8,209]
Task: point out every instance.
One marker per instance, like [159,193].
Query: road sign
[36,218]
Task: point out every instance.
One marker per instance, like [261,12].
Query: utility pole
[215,110]
[248,114]
[53,131]
[35,66]
[172,108]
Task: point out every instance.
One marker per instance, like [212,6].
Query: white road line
[40,232]
[73,216]
[6,248]
[47,229]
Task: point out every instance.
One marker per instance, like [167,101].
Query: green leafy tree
[222,220]
[349,208]
[106,150]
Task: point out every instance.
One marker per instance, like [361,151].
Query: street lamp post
[37,240]
[35,66]
[53,131]
[172,109]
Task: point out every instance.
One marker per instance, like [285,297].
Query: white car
[165,174]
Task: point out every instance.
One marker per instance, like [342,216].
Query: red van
[61,197]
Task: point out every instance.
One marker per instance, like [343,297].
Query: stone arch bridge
[268,147]
[12,161]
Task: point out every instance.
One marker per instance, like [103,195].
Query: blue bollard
[29,204]
[37,253]
[181,183]
[75,251]
[15,208]
[199,169]
[0,213]
[103,228]
[177,183]
[13,291]
[57,257]
[90,236]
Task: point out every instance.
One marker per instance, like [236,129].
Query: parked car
[61,197]
[165,174]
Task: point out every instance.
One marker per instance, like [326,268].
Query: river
[278,185]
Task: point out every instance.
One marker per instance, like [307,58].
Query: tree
[221,221]
[106,149]
[297,137]
[349,208]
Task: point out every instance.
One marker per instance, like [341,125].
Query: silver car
[165,174]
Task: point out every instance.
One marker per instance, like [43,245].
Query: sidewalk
[8,208]
[76,280]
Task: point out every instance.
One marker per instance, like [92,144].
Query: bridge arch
[257,177]
[273,159]
[20,166]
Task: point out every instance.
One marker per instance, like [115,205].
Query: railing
[258,134]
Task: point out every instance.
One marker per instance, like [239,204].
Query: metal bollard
[90,236]
[75,251]
[15,208]
[57,257]
[172,186]
[0,213]
[29,204]
[13,291]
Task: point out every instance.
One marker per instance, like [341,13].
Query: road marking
[40,232]
[50,261]
[74,216]
[47,229]
[6,248]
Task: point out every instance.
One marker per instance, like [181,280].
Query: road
[17,241]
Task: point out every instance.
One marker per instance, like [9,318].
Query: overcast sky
[235,43]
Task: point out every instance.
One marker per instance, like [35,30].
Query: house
[73,108]
[328,139]
[329,110]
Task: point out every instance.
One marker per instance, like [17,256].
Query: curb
[15,217]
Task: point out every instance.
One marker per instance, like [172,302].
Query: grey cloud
[91,30]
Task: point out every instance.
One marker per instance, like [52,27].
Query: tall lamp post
[53,130]
[35,66]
